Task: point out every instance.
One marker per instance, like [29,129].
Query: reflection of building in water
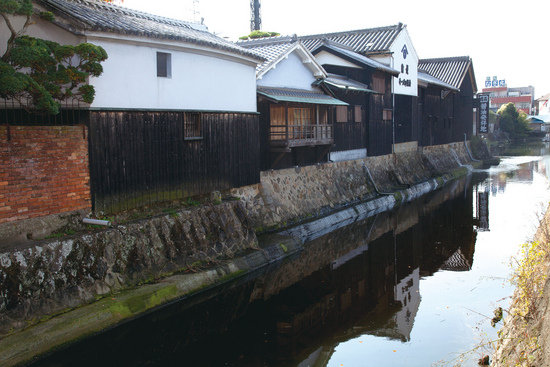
[457,262]
[525,171]
[482,208]
[376,286]
[361,279]
[408,293]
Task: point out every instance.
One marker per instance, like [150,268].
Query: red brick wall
[43,170]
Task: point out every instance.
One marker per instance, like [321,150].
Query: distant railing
[71,112]
[297,135]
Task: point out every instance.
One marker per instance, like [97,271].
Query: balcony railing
[300,135]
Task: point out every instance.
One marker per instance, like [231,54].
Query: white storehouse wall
[203,78]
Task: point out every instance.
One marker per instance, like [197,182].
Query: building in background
[500,94]
[542,106]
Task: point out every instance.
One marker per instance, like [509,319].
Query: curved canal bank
[524,339]
[95,280]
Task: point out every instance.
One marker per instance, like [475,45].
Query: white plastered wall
[289,73]
[202,78]
[199,80]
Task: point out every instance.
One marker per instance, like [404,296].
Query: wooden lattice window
[192,126]
[302,116]
[277,129]
[300,121]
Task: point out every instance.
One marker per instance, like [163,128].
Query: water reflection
[391,283]
[363,278]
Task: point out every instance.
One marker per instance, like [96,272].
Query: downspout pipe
[96,222]
[468,149]
[374,183]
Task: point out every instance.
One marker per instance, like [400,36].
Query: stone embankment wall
[290,195]
[43,278]
[55,275]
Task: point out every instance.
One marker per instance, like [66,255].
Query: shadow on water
[360,279]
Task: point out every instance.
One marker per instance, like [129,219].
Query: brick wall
[43,170]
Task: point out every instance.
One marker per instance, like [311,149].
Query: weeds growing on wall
[520,346]
[529,277]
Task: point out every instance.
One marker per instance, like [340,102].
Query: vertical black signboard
[483,113]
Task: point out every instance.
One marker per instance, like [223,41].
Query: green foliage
[38,73]
[259,34]
[492,118]
[16,7]
[513,122]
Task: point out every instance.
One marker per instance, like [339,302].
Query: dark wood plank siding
[463,111]
[375,134]
[404,118]
[142,157]
[437,117]
[351,135]
[380,132]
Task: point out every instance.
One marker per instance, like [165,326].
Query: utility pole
[255,21]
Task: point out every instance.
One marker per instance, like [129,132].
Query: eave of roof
[93,15]
[298,96]
[542,118]
[354,57]
[431,80]
[275,49]
[346,84]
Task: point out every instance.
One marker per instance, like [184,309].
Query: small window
[192,126]
[357,112]
[341,113]
[164,65]
[387,115]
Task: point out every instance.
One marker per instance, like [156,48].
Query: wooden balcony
[290,136]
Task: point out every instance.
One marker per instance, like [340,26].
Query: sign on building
[495,82]
[483,113]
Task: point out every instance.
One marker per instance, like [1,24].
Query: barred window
[192,126]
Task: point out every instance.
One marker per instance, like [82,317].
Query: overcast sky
[510,40]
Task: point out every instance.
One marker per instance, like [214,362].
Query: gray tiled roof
[451,70]
[364,41]
[424,76]
[104,17]
[348,52]
[270,48]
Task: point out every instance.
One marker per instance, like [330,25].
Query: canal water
[413,286]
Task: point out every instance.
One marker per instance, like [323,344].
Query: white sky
[510,40]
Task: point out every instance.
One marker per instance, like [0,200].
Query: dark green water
[409,287]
